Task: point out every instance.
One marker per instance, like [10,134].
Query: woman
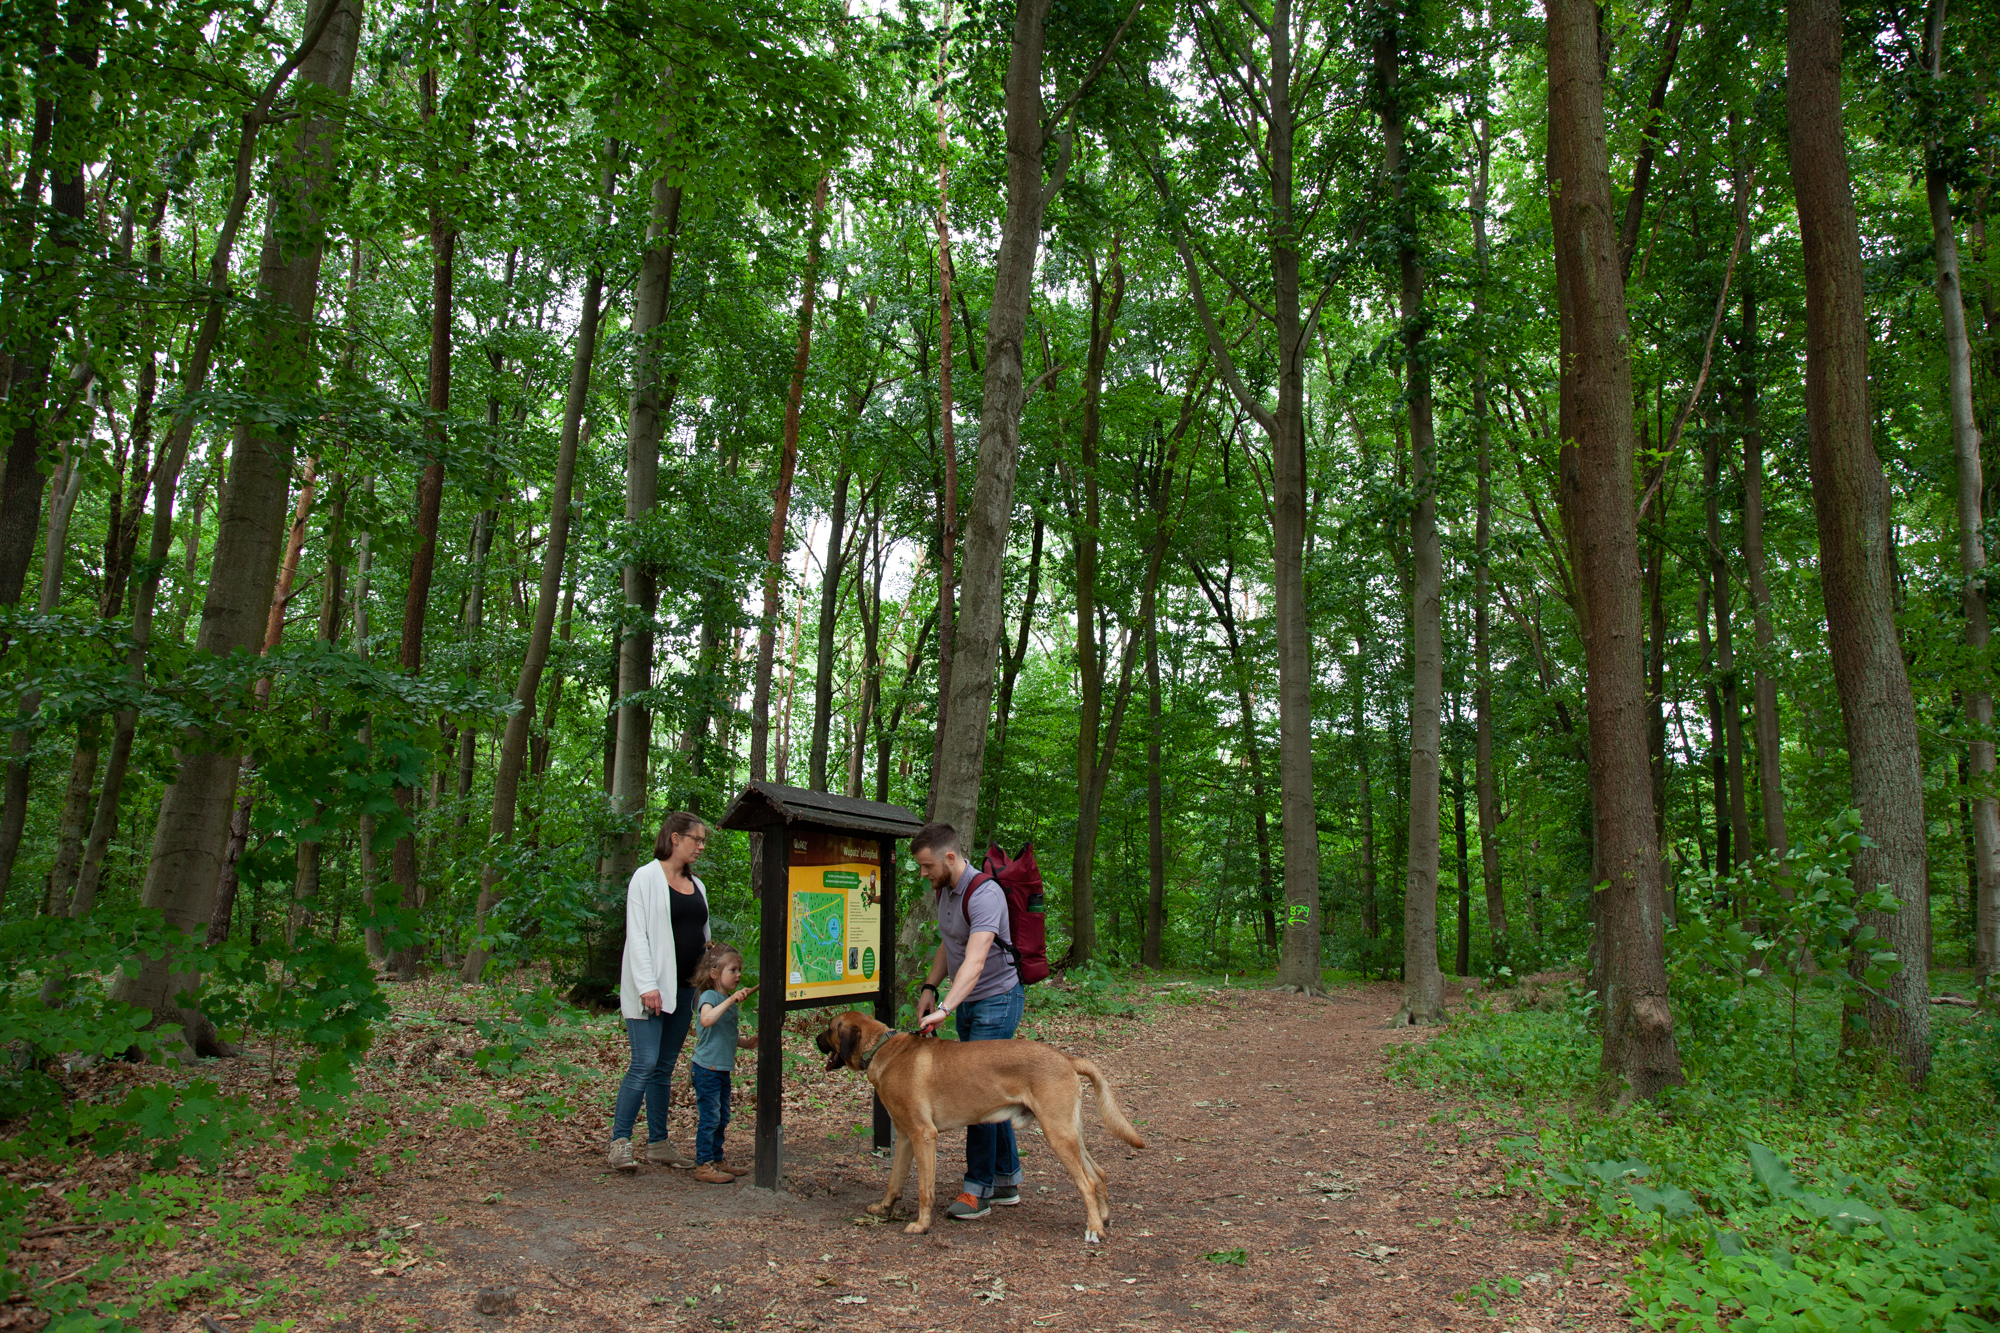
[666,930]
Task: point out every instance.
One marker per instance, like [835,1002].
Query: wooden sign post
[828,926]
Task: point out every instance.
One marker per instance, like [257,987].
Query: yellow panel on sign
[833,918]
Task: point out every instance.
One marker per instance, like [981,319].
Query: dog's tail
[1107,1104]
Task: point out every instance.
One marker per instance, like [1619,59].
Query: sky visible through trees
[1406,489]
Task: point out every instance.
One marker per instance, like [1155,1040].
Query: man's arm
[965,978]
[927,1000]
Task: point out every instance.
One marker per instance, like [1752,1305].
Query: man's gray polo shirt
[957,922]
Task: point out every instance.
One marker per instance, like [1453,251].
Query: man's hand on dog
[930,1022]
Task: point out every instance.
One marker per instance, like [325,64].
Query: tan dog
[929,1086]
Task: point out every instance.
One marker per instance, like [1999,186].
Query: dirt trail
[1271,1132]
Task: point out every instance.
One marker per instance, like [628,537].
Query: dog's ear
[824,1042]
[846,1039]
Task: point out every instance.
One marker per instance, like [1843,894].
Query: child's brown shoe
[708,1173]
[732,1170]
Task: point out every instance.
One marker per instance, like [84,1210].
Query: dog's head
[845,1034]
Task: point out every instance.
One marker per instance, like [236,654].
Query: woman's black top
[689,917]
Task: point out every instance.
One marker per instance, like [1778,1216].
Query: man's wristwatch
[930,986]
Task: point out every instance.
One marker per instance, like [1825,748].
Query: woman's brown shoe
[732,1170]
[709,1174]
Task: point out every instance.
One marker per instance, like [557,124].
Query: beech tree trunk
[1107,296]
[1639,1054]
[1725,665]
[1482,574]
[1851,503]
[981,597]
[781,507]
[1003,707]
[1218,596]
[645,422]
[1764,686]
[405,962]
[832,568]
[193,819]
[1423,980]
[1965,449]
[1299,963]
[514,743]
[1156,838]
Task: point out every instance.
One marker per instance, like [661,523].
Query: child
[716,977]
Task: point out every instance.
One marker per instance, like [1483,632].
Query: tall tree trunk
[1370,918]
[1463,958]
[1725,663]
[1240,671]
[192,824]
[274,629]
[306,876]
[1482,575]
[22,480]
[947,420]
[1423,981]
[1718,765]
[514,743]
[405,963]
[832,569]
[982,603]
[1851,503]
[1156,839]
[1003,707]
[364,833]
[1965,446]
[104,818]
[631,739]
[1639,1054]
[1764,686]
[1107,296]
[781,507]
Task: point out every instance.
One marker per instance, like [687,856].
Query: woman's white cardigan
[649,940]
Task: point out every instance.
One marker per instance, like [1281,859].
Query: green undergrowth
[1792,1182]
[271,1150]
[1783,1187]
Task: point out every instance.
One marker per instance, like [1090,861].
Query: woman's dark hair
[681,822]
[714,957]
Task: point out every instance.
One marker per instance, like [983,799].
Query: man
[986,994]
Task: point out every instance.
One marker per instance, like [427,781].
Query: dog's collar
[869,1054]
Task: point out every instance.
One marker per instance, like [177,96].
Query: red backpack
[1020,879]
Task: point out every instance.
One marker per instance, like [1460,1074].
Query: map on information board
[834,916]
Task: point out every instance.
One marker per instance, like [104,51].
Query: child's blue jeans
[711,1099]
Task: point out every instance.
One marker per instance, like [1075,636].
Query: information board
[833,919]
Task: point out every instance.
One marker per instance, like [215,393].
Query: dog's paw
[881,1210]
[1091,1238]
[915,1229]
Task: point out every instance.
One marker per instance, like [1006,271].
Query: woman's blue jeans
[990,1155]
[656,1047]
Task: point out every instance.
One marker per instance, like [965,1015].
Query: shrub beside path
[1286,1184]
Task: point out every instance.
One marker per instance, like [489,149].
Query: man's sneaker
[1005,1196]
[707,1174]
[966,1207]
[663,1154]
[619,1158]
[731,1169]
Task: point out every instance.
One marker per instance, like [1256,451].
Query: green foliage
[1804,927]
[1834,1200]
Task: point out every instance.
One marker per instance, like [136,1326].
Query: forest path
[1271,1131]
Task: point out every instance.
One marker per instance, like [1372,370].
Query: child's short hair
[714,958]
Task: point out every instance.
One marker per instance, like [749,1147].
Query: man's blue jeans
[656,1047]
[711,1099]
[990,1156]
